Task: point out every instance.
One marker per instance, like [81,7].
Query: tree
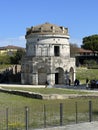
[73,49]
[90,43]
[16,59]
[4,59]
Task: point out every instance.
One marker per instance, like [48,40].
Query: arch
[71,74]
[42,76]
[59,76]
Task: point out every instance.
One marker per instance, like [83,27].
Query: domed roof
[46,29]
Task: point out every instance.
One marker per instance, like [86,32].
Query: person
[69,82]
[46,84]
[97,84]
[78,82]
[75,82]
[87,81]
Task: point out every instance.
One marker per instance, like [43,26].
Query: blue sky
[80,16]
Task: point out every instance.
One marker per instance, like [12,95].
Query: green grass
[48,90]
[83,73]
[16,108]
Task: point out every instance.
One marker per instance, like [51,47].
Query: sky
[79,16]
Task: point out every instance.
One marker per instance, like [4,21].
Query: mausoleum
[47,56]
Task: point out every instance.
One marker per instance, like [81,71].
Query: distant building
[83,54]
[10,50]
[47,56]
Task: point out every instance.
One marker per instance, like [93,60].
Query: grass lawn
[38,108]
[48,90]
[83,73]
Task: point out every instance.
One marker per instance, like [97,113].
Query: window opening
[56,51]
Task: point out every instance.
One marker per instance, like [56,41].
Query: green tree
[90,43]
[16,59]
[4,59]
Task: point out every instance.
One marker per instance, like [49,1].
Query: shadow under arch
[59,75]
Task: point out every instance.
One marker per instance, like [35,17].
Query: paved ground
[80,87]
[80,126]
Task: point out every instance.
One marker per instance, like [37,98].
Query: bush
[5,59]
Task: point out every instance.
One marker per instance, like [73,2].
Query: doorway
[59,76]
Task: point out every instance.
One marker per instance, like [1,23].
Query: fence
[48,115]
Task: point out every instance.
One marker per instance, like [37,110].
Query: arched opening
[59,76]
[71,74]
[42,76]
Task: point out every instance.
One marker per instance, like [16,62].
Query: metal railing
[48,115]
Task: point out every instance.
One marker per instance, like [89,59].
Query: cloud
[18,41]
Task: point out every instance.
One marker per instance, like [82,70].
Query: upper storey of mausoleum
[47,29]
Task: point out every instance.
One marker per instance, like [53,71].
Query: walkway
[80,126]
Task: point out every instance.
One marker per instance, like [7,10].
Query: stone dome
[47,29]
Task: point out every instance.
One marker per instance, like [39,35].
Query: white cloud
[22,37]
[18,41]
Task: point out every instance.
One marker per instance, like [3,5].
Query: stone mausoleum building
[47,56]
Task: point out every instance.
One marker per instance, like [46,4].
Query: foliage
[16,59]
[4,59]
[91,64]
[3,67]
[90,43]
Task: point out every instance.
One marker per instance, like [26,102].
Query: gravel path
[80,126]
